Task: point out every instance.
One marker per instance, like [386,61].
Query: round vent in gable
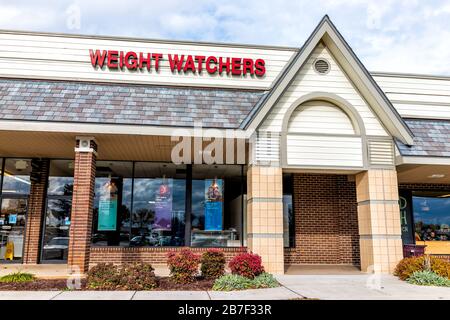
[321,66]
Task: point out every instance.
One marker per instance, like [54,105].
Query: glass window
[431,211]
[288,212]
[12,228]
[55,243]
[60,180]
[217,205]
[159,201]
[112,203]
[16,179]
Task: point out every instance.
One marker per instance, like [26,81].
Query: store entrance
[12,228]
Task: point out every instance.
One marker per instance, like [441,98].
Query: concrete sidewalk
[324,287]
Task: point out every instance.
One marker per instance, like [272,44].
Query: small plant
[265,280]
[407,266]
[213,264]
[18,277]
[231,282]
[183,265]
[247,265]
[103,276]
[428,278]
[137,276]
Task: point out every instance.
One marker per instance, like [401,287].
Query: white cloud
[388,35]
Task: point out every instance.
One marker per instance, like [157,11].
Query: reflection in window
[288,212]
[159,200]
[431,211]
[112,203]
[16,179]
[217,206]
[60,180]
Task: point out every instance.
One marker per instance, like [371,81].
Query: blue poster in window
[213,205]
[163,206]
[107,207]
[12,219]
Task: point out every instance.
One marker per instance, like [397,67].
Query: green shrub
[18,277]
[213,264]
[183,265]
[230,282]
[428,278]
[137,276]
[265,280]
[406,267]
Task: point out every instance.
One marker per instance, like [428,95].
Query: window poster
[163,206]
[213,204]
[107,207]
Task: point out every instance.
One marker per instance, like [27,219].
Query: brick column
[82,204]
[36,210]
[265,216]
[379,220]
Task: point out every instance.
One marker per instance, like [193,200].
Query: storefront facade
[119,150]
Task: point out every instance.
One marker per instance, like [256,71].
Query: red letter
[175,62]
[200,60]
[236,66]
[147,61]
[112,59]
[131,55]
[97,58]
[208,65]
[224,64]
[247,65]
[189,64]
[157,57]
[260,68]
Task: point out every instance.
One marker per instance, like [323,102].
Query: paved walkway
[336,287]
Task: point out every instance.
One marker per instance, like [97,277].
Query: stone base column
[379,220]
[265,216]
[82,204]
[36,211]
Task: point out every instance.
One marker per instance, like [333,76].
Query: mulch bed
[61,284]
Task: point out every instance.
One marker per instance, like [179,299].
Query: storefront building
[121,149]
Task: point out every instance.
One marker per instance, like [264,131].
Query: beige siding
[417,96]
[57,57]
[310,150]
[320,117]
[335,82]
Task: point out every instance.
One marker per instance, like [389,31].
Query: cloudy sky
[388,35]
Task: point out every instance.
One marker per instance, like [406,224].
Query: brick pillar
[36,211]
[82,204]
[265,216]
[379,220]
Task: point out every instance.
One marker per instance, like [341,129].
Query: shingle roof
[124,104]
[432,138]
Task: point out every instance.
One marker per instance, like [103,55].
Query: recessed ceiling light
[436,176]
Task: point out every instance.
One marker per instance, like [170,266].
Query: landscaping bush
[230,282]
[18,277]
[183,265]
[265,280]
[213,264]
[408,266]
[137,276]
[247,265]
[428,278]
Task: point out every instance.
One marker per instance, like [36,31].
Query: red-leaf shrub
[183,265]
[246,264]
[213,264]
